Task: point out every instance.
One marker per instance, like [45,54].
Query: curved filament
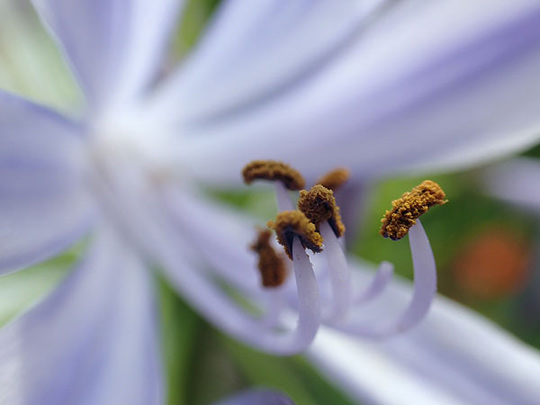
[425,287]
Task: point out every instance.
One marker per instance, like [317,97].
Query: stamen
[425,288]
[289,224]
[334,179]
[319,205]
[407,209]
[271,265]
[200,289]
[273,171]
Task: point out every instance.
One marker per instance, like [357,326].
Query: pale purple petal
[92,341]
[453,357]
[255,48]
[43,205]
[442,85]
[176,250]
[225,234]
[516,181]
[257,397]
[115,47]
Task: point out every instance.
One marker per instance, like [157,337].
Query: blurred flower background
[485,240]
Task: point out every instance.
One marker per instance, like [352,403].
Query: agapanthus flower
[376,86]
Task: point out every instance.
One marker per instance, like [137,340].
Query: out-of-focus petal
[92,341]
[453,357]
[222,238]
[114,46]
[257,397]
[516,181]
[43,206]
[425,86]
[254,48]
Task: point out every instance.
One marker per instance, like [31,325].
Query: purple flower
[377,86]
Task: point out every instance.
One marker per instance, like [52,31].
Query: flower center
[128,165]
[129,145]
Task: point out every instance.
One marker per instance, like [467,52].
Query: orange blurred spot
[494,265]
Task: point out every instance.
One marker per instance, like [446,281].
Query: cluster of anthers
[325,292]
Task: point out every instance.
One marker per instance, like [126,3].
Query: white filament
[425,287]
[340,277]
[283,199]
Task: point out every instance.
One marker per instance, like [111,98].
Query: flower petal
[453,357]
[259,397]
[251,49]
[516,181]
[92,340]
[43,206]
[114,46]
[412,92]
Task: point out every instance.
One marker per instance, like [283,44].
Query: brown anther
[273,171]
[334,179]
[318,205]
[271,265]
[289,224]
[407,209]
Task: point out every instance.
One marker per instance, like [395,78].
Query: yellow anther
[271,265]
[407,209]
[318,205]
[273,171]
[289,224]
[334,179]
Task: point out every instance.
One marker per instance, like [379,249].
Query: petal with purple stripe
[43,205]
[115,47]
[412,92]
[92,341]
